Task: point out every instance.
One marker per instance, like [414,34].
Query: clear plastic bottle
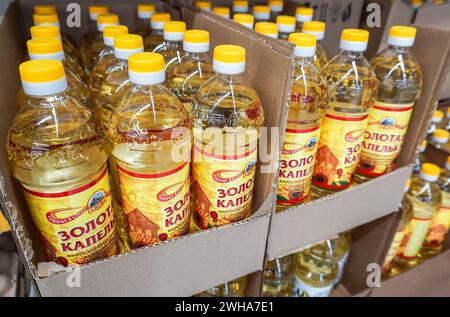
[155,38]
[98,46]
[425,196]
[267,28]
[352,86]
[89,37]
[399,86]
[234,288]
[261,13]
[439,139]
[446,123]
[407,214]
[302,15]
[68,43]
[309,100]
[421,158]
[314,275]
[52,49]
[143,24]
[149,125]
[240,6]
[52,32]
[194,68]
[56,153]
[436,120]
[204,5]
[224,12]
[276,7]
[286,26]
[172,46]
[245,19]
[116,81]
[441,221]
[278,277]
[226,116]
[317,28]
[105,60]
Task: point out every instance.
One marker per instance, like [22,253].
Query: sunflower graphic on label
[297,164]
[384,136]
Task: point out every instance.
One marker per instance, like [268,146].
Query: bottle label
[301,289]
[76,226]
[156,206]
[223,187]
[297,165]
[394,247]
[339,149]
[384,137]
[440,223]
[414,236]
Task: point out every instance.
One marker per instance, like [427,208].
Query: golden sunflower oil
[204,5]
[151,146]
[267,28]
[244,19]
[172,46]
[155,38]
[317,28]
[400,83]
[276,7]
[407,214]
[52,49]
[224,12]
[193,70]
[352,87]
[421,158]
[436,120]
[286,26]
[105,59]
[302,15]
[261,13]
[424,194]
[278,277]
[441,221]
[89,37]
[234,288]
[52,32]
[98,46]
[56,153]
[52,19]
[240,6]
[314,276]
[143,24]
[309,100]
[226,116]
[439,139]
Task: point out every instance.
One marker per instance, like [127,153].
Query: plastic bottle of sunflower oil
[276,7]
[267,28]
[172,47]
[317,28]
[436,120]
[155,38]
[421,158]
[286,26]
[240,6]
[261,13]
[234,288]
[143,24]
[302,15]
[278,277]
[245,19]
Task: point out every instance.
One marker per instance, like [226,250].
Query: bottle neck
[353,54]
[197,56]
[158,32]
[173,44]
[399,49]
[302,60]
[145,21]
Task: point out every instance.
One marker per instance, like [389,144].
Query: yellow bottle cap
[304,11]
[438,114]
[267,28]
[441,134]
[51,18]
[128,42]
[196,36]
[416,2]
[44,31]
[430,169]
[229,54]
[4,227]
[98,9]
[286,19]
[276,5]
[44,9]
[41,71]
[222,11]
[161,17]
[44,46]
[302,39]
[355,35]
[314,26]
[240,3]
[108,18]
[261,9]
[402,31]
[244,18]
[115,30]
[146,62]
[424,143]
[146,8]
[174,27]
[206,5]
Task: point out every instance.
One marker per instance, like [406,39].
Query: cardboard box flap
[306,224]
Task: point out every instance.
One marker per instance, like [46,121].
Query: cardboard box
[183,266]
[297,227]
